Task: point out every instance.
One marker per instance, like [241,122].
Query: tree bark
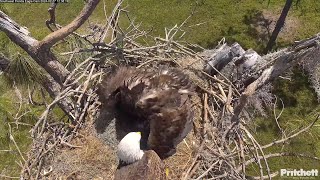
[41,53]
[279,25]
[40,50]
[44,57]
[65,31]
[283,60]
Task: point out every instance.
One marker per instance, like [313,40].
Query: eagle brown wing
[166,104]
[169,125]
[156,100]
[110,84]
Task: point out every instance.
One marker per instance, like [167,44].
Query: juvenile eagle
[154,102]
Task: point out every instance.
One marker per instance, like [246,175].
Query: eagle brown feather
[157,102]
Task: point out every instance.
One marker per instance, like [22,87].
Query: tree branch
[18,34]
[45,58]
[283,60]
[279,25]
[52,13]
[292,136]
[40,51]
[56,36]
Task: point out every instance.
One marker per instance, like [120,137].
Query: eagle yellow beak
[139,133]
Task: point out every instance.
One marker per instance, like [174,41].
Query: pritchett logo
[298,173]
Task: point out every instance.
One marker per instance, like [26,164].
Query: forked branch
[65,31]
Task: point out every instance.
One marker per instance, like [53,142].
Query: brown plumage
[150,167]
[155,102]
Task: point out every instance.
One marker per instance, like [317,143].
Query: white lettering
[299,172]
[283,172]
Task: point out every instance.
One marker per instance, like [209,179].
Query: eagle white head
[129,148]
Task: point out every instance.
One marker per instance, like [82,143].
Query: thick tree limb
[40,51]
[18,34]
[56,36]
[53,88]
[283,60]
[279,25]
[45,58]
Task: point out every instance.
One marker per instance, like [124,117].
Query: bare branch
[284,59]
[56,36]
[293,135]
[52,11]
[44,58]
[276,117]
[15,143]
[8,177]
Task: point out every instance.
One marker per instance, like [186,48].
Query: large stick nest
[220,145]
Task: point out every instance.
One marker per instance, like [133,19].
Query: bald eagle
[153,102]
[140,164]
[128,149]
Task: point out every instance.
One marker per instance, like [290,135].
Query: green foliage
[296,94]
[301,108]
[23,71]
[8,108]
[229,18]
[222,18]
